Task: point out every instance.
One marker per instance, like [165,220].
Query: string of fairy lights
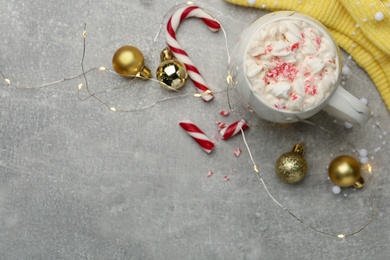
[229,87]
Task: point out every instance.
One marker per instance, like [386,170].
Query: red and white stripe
[221,125]
[205,143]
[177,50]
[233,129]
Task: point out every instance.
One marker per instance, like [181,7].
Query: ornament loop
[359,183]
[144,73]
[166,54]
[299,148]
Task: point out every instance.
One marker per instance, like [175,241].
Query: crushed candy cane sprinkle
[224,112]
[237,152]
[291,64]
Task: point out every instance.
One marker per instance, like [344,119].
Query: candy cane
[177,50]
[233,129]
[197,135]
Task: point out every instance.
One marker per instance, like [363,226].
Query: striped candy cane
[177,50]
[233,129]
[197,135]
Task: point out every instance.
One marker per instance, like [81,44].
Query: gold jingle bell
[344,171]
[171,73]
[128,61]
[291,167]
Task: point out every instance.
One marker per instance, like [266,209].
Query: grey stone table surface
[78,181]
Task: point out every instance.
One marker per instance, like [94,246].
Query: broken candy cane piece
[233,129]
[204,142]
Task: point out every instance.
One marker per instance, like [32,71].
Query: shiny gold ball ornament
[291,167]
[344,171]
[171,73]
[128,61]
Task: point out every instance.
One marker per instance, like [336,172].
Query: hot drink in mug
[287,68]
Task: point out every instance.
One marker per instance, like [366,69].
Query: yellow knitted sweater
[356,26]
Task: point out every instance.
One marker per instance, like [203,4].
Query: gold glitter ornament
[344,171]
[291,167]
[128,61]
[171,73]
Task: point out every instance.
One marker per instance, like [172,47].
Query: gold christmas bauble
[171,73]
[344,171]
[128,61]
[291,167]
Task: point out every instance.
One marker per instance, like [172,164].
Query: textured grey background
[78,181]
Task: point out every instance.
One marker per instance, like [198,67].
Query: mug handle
[347,107]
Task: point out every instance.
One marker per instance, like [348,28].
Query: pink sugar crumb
[224,112]
[211,172]
[310,80]
[294,46]
[318,41]
[226,178]
[237,152]
[272,73]
[282,69]
[216,137]
[307,74]
[311,90]
[293,96]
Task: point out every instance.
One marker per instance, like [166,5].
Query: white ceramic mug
[338,102]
